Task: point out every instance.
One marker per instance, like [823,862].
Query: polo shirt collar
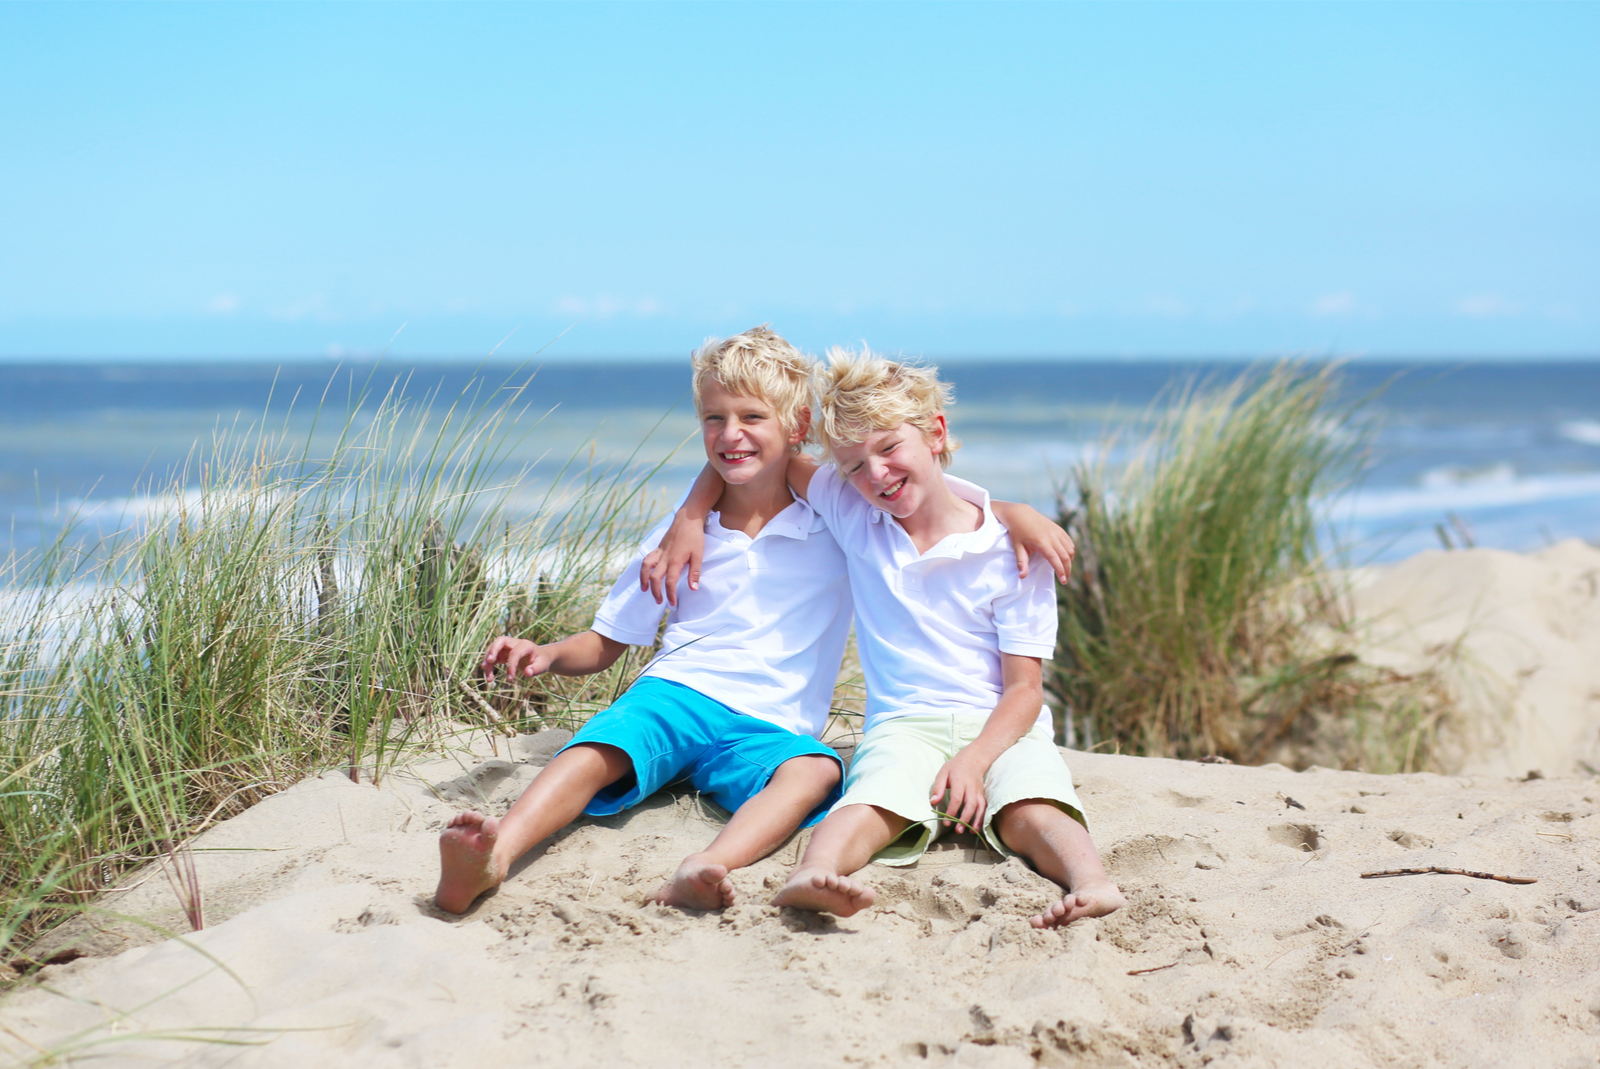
[979,541]
[797,521]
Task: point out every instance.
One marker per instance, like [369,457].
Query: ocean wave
[990,460]
[162,506]
[1451,476]
[1584,431]
[1495,487]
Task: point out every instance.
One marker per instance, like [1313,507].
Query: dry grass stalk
[184,878]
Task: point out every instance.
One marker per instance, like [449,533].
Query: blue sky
[283,180]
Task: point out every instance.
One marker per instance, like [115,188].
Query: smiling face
[744,436]
[894,469]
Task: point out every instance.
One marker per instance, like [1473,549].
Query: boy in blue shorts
[741,690]
[951,641]
[738,698]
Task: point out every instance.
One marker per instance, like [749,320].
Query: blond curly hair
[757,363]
[862,392]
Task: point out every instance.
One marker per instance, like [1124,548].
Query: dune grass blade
[1197,621]
[296,607]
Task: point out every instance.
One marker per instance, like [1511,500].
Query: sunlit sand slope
[1249,937]
[1518,636]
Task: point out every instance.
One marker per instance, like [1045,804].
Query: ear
[937,434]
[802,425]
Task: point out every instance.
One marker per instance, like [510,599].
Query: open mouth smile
[893,491]
[734,458]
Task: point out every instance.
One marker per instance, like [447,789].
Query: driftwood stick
[1448,872]
[486,709]
[1142,972]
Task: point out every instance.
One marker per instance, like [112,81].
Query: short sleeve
[1025,616]
[629,614]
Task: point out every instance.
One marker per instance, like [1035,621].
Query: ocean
[1503,454]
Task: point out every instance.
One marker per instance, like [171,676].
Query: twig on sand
[24,1039]
[1141,972]
[1449,872]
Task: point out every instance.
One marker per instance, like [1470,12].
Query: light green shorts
[894,768]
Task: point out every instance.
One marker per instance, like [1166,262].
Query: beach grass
[1204,615]
[291,605]
[280,609]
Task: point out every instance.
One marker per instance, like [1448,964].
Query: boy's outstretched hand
[683,546]
[1033,532]
[962,780]
[523,659]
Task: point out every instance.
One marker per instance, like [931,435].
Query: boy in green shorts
[951,642]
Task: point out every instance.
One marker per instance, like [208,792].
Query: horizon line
[36,360]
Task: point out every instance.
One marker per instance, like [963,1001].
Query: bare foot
[825,892]
[698,884]
[467,866]
[1093,899]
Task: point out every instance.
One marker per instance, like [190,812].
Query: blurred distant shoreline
[1502,453]
[1570,384]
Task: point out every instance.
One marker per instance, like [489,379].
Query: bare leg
[843,843]
[1060,848]
[475,851]
[758,828]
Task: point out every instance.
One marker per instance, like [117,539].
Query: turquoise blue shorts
[674,733]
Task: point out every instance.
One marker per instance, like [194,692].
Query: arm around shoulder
[684,544]
[801,469]
[1033,532]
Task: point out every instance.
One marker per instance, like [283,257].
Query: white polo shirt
[931,626]
[766,630]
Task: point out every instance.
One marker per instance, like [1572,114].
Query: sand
[1249,939]
[1518,636]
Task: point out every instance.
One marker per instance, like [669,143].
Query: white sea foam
[162,506]
[50,618]
[1496,487]
[1586,431]
[1028,459]
[1450,476]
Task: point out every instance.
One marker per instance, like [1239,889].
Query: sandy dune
[1250,937]
[1264,945]
[1518,635]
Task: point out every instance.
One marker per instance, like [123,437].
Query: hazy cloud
[1334,304]
[1484,305]
[606,306]
[313,307]
[1162,305]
